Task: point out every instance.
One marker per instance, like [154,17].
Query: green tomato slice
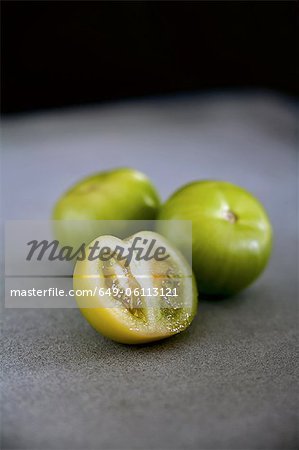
[137,300]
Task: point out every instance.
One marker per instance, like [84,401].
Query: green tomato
[118,195]
[231,234]
[142,300]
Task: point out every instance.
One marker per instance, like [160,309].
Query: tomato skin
[120,194]
[232,234]
[106,320]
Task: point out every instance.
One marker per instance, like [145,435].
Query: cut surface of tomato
[139,295]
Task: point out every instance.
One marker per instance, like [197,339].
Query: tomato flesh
[143,301]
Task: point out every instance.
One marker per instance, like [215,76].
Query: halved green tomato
[146,297]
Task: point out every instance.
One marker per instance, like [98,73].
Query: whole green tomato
[123,194]
[231,234]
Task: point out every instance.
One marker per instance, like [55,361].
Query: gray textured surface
[229,382]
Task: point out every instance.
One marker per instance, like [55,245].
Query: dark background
[65,53]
